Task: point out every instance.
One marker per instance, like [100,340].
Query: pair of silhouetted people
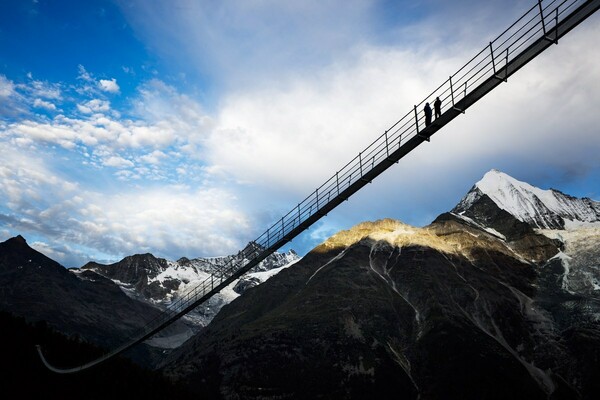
[438,111]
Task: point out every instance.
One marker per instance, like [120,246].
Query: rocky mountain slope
[159,282]
[39,289]
[479,304]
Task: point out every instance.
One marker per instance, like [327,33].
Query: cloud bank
[172,175]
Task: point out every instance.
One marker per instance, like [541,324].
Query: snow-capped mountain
[511,209]
[549,209]
[160,281]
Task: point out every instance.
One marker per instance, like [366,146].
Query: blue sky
[185,128]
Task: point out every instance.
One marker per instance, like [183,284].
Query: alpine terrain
[106,304]
[498,298]
[158,281]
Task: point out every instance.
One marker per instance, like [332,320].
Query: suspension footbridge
[541,26]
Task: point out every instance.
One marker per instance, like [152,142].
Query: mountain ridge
[544,209]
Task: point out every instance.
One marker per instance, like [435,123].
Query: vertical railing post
[506,66]
[493,61]
[556,26]
[452,95]
[317,194]
[269,237]
[337,181]
[451,90]
[542,16]
[387,146]
[416,120]
[360,163]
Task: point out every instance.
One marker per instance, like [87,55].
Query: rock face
[136,272]
[479,304]
[107,304]
[159,281]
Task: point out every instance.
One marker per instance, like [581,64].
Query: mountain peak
[550,209]
[17,243]
[17,240]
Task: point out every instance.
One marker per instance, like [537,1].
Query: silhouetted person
[427,110]
[437,105]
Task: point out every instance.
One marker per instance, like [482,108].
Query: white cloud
[117,162]
[153,158]
[94,106]
[171,221]
[316,123]
[84,74]
[105,135]
[540,126]
[245,42]
[93,87]
[12,103]
[7,87]
[46,90]
[39,103]
[110,86]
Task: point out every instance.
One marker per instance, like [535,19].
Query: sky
[185,128]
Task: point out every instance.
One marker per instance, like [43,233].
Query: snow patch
[580,257]
[542,208]
[491,231]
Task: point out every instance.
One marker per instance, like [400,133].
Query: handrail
[459,92]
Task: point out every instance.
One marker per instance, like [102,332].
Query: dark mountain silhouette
[39,289]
